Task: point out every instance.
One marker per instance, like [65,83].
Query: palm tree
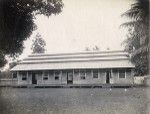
[137,42]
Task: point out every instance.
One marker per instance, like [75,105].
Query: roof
[80,60]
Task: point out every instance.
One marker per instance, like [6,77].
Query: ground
[74,101]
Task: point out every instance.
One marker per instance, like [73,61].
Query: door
[108,77]
[69,77]
[34,80]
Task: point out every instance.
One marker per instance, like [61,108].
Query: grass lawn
[74,101]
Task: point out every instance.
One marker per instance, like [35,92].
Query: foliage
[17,22]
[87,49]
[2,60]
[14,63]
[95,48]
[137,42]
[38,45]
[5,74]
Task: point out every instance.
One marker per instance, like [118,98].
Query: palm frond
[138,10]
[132,14]
[143,50]
[130,24]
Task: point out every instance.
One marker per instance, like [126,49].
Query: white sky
[82,23]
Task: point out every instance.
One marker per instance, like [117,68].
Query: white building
[105,67]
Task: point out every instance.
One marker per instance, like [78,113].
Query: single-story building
[104,67]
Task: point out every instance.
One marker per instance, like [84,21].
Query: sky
[81,24]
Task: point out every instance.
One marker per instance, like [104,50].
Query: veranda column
[111,76]
[61,76]
[28,78]
[73,76]
[18,76]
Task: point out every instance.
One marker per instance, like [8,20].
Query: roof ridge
[73,57]
[76,53]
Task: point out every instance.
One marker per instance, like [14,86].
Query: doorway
[69,77]
[108,77]
[34,80]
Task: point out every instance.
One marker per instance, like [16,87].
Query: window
[95,73]
[24,77]
[51,73]
[128,70]
[121,73]
[102,72]
[76,71]
[39,73]
[115,70]
[23,74]
[82,74]
[45,76]
[29,73]
[15,75]
[88,72]
[56,77]
[57,73]
[46,73]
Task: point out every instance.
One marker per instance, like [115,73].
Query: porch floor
[76,86]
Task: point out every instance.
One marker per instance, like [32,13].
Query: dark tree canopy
[137,42]
[38,45]
[17,24]
[2,60]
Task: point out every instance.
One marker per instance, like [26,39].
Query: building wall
[50,80]
[114,78]
[64,77]
[89,78]
[24,82]
[127,80]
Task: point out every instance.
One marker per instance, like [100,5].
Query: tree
[107,48]
[96,48]
[17,22]
[38,45]
[137,42]
[2,60]
[87,49]
[5,74]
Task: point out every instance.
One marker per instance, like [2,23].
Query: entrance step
[106,86]
[30,86]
